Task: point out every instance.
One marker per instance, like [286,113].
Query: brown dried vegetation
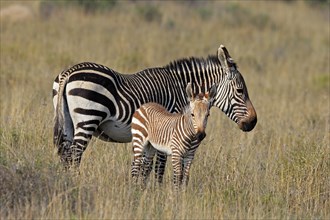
[279,170]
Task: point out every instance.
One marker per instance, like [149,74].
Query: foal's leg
[138,146]
[147,162]
[160,166]
[177,169]
[187,161]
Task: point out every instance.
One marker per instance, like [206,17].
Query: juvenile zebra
[176,134]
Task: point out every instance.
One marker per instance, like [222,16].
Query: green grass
[279,170]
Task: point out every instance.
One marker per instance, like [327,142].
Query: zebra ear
[227,63]
[189,91]
[224,58]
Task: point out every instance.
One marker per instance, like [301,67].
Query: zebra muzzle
[247,124]
[200,136]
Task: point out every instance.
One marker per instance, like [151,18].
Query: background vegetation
[279,170]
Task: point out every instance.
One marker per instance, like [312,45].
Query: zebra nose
[248,124]
[201,136]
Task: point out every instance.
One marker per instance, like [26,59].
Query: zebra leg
[135,170]
[187,161]
[65,153]
[160,166]
[72,154]
[177,170]
[137,147]
[186,167]
[147,162]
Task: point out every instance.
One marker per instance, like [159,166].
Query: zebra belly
[115,131]
[162,148]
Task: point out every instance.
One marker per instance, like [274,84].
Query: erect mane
[210,60]
[197,71]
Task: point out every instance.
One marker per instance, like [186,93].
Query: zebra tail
[63,128]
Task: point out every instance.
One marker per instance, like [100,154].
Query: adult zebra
[93,100]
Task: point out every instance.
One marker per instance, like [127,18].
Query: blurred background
[278,170]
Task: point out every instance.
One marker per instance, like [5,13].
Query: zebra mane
[191,66]
[200,61]
[210,60]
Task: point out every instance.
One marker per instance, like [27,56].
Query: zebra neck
[166,85]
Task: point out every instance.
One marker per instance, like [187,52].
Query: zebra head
[199,109]
[232,95]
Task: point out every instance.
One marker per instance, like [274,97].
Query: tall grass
[279,170]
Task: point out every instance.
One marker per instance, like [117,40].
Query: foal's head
[199,109]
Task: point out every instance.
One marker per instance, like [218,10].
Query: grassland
[279,170]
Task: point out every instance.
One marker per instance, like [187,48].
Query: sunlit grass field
[280,170]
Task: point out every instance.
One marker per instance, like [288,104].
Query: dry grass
[279,170]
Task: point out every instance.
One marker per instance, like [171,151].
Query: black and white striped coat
[94,100]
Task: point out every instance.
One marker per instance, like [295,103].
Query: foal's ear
[189,91]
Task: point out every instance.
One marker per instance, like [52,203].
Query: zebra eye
[240,90]
[192,114]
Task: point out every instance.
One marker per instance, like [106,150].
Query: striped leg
[64,151]
[187,161]
[160,166]
[137,144]
[186,167]
[177,169]
[136,164]
[71,154]
[147,162]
